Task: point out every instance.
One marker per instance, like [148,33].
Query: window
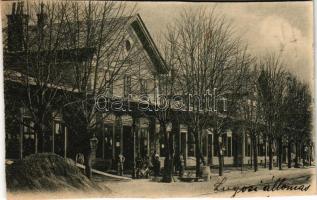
[127,85]
[117,139]
[109,90]
[191,144]
[261,147]
[204,145]
[28,137]
[247,146]
[210,145]
[104,136]
[28,129]
[162,83]
[183,144]
[229,146]
[57,128]
[58,138]
[143,86]
[144,142]
[108,131]
[215,147]
[225,144]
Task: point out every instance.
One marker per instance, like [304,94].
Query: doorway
[128,147]
[183,144]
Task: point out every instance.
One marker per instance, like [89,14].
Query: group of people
[179,164]
[146,166]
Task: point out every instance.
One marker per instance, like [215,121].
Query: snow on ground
[148,188]
[234,178]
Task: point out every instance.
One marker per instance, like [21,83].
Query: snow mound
[46,172]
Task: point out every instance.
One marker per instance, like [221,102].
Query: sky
[282,27]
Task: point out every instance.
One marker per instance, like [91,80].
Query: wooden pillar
[121,138]
[103,139]
[205,140]
[35,140]
[148,143]
[175,133]
[179,140]
[21,134]
[134,151]
[138,136]
[265,149]
[251,150]
[286,153]
[186,148]
[152,135]
[158,137]
[53,140]
[134,132]
[212,150]
[114,141]
[65,142]
[243,147]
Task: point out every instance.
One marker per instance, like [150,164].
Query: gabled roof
[136,23]
[148,44]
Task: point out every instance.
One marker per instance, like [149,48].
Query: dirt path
[148,188]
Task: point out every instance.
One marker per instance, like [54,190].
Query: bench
[188,179]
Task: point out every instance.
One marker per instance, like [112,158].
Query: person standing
[139,163]
[121,160]
[156,165]
[181,165]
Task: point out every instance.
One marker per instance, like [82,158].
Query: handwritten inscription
[279,184]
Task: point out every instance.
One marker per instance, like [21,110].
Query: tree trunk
[280,152]
[296,155]
[220,157]
[310,155]
[171,154]
[167,175]
[197,149]
[87,158]
[270,154]
[265,151]
[289,154]
[251,153]
[255,153]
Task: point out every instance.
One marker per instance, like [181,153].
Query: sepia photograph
[153,99]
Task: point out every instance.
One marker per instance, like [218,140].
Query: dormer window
[127,45]
[143,86]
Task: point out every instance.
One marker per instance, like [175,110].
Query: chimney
[17,22]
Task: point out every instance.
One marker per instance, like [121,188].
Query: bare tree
[97,30]
[207,58]
[33,57]
[271,88]
[297,116]
[251,111]
[166,116]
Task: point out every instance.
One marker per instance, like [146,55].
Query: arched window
[127,45]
